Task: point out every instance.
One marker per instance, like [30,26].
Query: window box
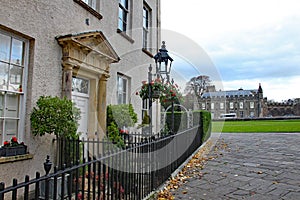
[13,151]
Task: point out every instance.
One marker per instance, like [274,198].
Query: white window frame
[146,24]
[251,104]
[203,106]
[91,3]
[231,105]
[20,92]
[212,106]
[221,105]
[122,93]
[123,20]
[241,105]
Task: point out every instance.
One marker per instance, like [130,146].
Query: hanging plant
[165,92]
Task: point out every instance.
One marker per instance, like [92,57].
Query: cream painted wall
[41,21]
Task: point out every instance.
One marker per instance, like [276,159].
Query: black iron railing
[98,170]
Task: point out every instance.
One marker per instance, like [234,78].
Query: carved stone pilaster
[67,81]
[102,102]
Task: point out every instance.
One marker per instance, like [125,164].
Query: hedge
[200,117]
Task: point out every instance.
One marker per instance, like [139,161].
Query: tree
[197,85]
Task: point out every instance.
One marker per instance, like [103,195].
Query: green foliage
[206,124]
[168,92]
[119,116]
[53,115]
[122,115]
[114,135]
[200,117]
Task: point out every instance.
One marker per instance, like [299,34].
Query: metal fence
[98,170]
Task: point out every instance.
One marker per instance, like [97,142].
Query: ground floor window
[13,66]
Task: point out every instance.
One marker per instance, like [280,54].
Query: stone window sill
[147,52]
[122,33]
[15,158]
[89,9]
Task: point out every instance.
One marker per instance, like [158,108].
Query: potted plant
[13,148]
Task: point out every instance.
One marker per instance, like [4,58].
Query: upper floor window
[123,15]
[241,105]
[221,105]
[212,106]
[13,64]
[146,25]
[122,89]
[203,106]
[91,3]
[91,6]
[251,104]
[231,105]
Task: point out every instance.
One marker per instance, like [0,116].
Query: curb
[210,143]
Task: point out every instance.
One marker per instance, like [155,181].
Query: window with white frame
[231,105]
[122,89]
[13,67]
[146,25]
[145,107]
[241,105]
[91,3]
[123,15]
[212,106]
[203,106]
[251,104]
[222,105]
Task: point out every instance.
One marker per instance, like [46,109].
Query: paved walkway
[248,166]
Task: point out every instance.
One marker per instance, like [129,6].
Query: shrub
[54,115]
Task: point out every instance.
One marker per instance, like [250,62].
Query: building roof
[229,93]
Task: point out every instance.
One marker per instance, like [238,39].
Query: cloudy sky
[241,43]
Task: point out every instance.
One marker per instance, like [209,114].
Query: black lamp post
[163,64]
[163,57]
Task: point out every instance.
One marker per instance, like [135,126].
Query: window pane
[80,85]
[15,79]
[11,128]
[4,47]
[12,105]
[17,52]
[124,3]
[3,76]
[124,83]
[145,18]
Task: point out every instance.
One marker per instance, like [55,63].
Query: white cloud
[247,41]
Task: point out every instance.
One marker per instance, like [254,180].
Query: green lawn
[252,126]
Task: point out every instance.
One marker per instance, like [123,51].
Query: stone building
[95,52]
[288,108]
[234,103]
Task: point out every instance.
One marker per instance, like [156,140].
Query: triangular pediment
[92,42]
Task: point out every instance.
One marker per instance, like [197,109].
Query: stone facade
[287,108]
[241,103]
[76,41]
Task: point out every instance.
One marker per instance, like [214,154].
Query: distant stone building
[239,103]
[290,107]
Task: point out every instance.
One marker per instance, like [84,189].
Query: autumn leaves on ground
[191,170]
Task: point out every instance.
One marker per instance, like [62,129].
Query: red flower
[14,139]
[144,82]
[137,93]
[6,143]
[173,94]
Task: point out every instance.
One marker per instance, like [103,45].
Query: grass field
[252,126]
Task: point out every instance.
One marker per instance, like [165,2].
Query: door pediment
[90,51]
